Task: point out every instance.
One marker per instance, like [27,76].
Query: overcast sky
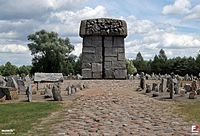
[173,25]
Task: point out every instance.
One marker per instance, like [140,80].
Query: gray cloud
[29,9]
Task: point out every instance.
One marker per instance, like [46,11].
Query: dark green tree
[139,57]
[24,70]
[9,69]
[162,55]
[78,63]
[198,63]
[49,50]
[1,69]
[140,64]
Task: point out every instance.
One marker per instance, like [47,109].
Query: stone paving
[114,108]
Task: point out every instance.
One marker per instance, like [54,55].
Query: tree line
[162,65]
[10,69]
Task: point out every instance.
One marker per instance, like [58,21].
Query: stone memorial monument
[103,53]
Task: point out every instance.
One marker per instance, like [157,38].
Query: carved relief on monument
[104,27]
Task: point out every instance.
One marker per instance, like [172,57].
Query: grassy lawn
[191,110]
[20,116]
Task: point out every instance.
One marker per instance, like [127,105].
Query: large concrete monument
[103,53]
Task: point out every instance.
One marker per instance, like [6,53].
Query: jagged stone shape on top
[103,27]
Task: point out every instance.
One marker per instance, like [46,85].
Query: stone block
[121,56]
[69,90]
[163,87]
[109,74]
[86,66]
[118,42]
[97,75]
[56,94]
[110,52]
[97,41]
[110,58]
[96,67]
[155,94]
[182,92]
[88,58]
[87,73]
[87,41]
[118,64]
[192,95]
[120,50]
[98,51]
[73,90]
[188,87]
[98,59]
[120,74]
[107,64]
[148,88]
[48,93]
[108,42]
[88,50]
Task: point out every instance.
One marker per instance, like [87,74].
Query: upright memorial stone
[103,53]
[29,93]
[163,85]
[194,89]
[142,81]
[171,88]
[56,93]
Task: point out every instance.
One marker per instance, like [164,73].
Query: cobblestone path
[114,108]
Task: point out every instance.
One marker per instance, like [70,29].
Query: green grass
[20,116]
[191,110]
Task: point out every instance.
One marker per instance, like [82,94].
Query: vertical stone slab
[163,85]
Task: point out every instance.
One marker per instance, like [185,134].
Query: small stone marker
[142,81]
[194,85]
[176,85]
[171,88]
[21,85]
[148,88]
[163,87]
[73,89]
[198,92]
[156,91]
[188,87]
[29,93]
[69,89]
[192,95]
[182,92]
[56,94]
[154,86]
[155,94]
[48,92]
